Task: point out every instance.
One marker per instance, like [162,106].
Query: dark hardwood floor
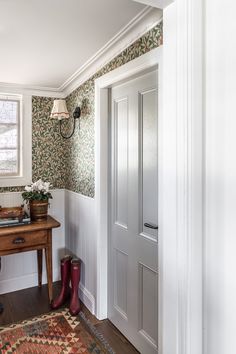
[24,304]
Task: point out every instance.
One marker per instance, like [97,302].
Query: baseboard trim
[31,280]
[87,298]
[25,282]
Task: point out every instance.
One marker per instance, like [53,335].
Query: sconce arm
[67,137]
[76,115]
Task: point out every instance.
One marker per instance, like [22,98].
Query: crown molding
[160,4]
[31,90]
[136,28]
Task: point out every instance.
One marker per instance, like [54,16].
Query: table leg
[40,266]
[48,253]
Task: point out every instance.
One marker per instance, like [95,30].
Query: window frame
[25,142]
[18,124]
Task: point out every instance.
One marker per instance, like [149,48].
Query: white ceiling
[43,42]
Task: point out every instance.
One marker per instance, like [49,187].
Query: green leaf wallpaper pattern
[70,163]
[48,147]
[80,148]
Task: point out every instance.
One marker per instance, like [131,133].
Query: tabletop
[47,224]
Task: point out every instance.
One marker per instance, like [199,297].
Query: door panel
[148,156]
[121,159]
[133,260]
[120,282]
[148,303]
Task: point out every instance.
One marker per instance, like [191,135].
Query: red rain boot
[75,278]
[65,280]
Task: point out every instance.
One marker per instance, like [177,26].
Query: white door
[133,251]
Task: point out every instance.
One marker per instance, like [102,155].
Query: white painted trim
[31,90]
[183,183]
[26,145]
[182,193]
[134,67]
[101,196]
[160,4]
[169,193]
[131,69]
[26,281]
[87,298]
[51,190]
[31,280]
[136,28]
[79,194]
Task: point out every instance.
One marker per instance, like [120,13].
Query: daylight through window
[9,137]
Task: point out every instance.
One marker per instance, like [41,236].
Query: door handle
[151,226]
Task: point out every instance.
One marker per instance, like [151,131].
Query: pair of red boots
[70,271]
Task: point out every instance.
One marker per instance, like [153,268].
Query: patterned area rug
[56,332]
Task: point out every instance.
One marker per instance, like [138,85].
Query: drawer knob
[18,240]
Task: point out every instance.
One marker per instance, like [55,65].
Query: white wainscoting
[20,271]
[76,214]
[81,240]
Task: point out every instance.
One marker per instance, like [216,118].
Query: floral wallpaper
[70,163]
[48,158]
[80,148]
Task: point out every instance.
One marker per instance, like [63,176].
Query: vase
[38,210]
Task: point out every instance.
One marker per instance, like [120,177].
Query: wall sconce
[59,111]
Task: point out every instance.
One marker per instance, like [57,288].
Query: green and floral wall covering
[48,147]
[80,148]
[70,163]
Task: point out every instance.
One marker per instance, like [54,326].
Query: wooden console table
[34,236]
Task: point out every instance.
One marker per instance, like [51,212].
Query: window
[10,159]
[15,139]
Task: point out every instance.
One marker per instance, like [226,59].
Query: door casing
[136,67]
[128,237]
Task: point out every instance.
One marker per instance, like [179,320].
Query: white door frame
[183,144]
[144,63]
[181,221]
[135,67]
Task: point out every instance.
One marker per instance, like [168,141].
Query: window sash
[18,143]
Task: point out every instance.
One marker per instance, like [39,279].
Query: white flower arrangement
[38,190]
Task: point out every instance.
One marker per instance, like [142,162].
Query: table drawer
[23,240]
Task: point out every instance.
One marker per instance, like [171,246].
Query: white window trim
[25,176]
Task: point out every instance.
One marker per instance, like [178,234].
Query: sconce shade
[59,110]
